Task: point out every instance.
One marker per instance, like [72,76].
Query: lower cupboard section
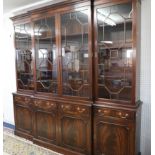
[63,127]
[115,131]
[71,128]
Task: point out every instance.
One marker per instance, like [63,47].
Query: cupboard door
[113,137]
[23,113]
[45,121]
[75,52]
[46,55]
[23,46]
[75,128]
[45,126]
[23,119]
[114,70]
[23,116]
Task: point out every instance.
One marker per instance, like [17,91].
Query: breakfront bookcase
[77,69]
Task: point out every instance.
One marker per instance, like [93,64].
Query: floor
[14,145]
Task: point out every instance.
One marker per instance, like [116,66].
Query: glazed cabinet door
[114,51]
[76,53]
[75,128]
[24,64]
[46,55]
[113,136]
[23,116]
[45,120]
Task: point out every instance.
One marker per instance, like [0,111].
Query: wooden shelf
[120,44]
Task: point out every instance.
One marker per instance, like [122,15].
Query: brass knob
[83,109]
[78,108]
[120,114]
[35,103]
[123,116]
[47,103]
[126,115]
[99,111]
[65,106]
[105,111]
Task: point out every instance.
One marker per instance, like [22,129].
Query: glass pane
[115,52]
[46,56]
[74,39]
[24,56]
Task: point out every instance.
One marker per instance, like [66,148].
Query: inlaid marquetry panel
[107,112]
[45,105]
[23,100]
[74,109]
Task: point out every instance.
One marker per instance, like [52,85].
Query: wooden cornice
[48,8]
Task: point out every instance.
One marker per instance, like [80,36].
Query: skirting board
[8,125]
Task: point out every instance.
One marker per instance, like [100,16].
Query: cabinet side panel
[138,50]
[138,129]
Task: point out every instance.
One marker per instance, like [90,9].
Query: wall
[145,81]
[8,84]
[8,80]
